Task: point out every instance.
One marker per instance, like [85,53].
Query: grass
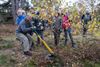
[31,64]
[97,65]
[88,63]
[6,61]
[6,44]
[3,59]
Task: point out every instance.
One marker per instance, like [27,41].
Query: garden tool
[52,56]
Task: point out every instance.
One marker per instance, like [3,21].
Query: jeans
[68,32]
[84,28]
[40,33]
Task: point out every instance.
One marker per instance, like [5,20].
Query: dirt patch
[7,29]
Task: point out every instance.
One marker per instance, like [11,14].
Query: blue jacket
[86,18]
[19,19]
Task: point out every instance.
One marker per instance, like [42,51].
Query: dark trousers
[40,33]
[68,32]
[84,28]
[56,37]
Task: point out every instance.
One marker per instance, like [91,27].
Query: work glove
[33,28]
[60,30]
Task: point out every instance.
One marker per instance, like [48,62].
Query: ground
[86,55]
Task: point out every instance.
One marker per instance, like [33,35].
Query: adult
[23,33]
[85,19]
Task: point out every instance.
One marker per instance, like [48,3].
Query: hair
[70,20]
[58,14]
[62,14]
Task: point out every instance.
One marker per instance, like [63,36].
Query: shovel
[57,61]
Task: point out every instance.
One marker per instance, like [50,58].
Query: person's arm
[24,29]
[60,25]
[90,18]
[60,20]
[82,17]
[54,23]
[44,24]
[17,21]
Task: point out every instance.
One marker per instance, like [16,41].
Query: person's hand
[66,28]
[33,28]
[60,30]
[52,30]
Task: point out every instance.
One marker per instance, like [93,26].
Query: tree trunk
[13,10]
[15,6]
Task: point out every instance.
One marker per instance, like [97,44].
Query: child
[39,25]
[66,25]
[57,28]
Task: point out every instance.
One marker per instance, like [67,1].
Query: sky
[70,2]
[63,3]
[2,1]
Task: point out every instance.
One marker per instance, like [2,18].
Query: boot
[32,46]
[74,45]
[27,53]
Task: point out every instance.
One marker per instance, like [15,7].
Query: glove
[33,28]
[60,30]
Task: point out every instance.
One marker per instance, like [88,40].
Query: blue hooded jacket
[19,19]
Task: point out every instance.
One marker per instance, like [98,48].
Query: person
[66,25]
[21,14]
[23,33]
[57,28]
[85,19]
[39,25]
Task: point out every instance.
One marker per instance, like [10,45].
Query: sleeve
[54,22]
[43,24]
[17,21]
[82,17]
[60,29]
[24,29]
[90,18]
[53,25]
[60,21]
[20,20]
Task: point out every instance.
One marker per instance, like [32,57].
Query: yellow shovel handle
[45,44]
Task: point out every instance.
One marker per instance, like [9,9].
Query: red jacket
[66,24]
